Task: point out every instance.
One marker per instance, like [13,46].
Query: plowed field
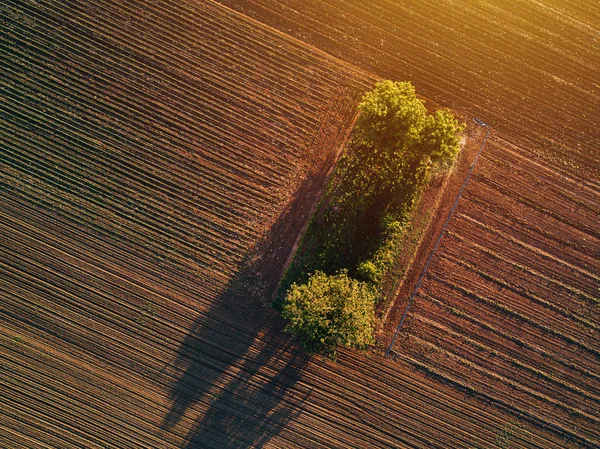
[158,159]
[527,68]
[510,308]
[509,305]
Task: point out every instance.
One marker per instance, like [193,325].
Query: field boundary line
[462,188]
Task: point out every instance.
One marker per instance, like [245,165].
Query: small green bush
[330,311]
[369,272]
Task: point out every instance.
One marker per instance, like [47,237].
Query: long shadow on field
[240,380]
[240,374]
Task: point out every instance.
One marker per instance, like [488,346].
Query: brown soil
[150,147]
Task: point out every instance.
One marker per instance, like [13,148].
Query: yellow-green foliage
[330,311]
[374,269]
[395,146]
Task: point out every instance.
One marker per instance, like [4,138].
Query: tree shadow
[240,372]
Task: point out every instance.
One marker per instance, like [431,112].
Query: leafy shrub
[330,311]
[374,269]
[369,272]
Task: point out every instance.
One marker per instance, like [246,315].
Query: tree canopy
[396,145]
[330,311]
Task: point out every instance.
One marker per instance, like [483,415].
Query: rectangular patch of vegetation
[361,219]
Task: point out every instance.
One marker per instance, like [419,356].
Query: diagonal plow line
[462,188]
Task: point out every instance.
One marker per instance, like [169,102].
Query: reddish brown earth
[158,160]
[509,309]
[509,304]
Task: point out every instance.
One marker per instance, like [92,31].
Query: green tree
[395,147]
[391,115]
[330,311]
